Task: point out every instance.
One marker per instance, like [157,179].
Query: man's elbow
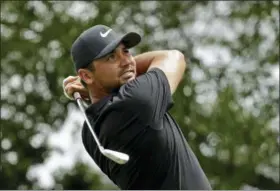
[181,59]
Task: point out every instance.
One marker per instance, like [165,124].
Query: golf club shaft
[78,97]
[118,157]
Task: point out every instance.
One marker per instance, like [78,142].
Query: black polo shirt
[135,120]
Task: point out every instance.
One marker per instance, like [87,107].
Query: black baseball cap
[98,41]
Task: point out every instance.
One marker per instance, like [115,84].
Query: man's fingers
[69,79]
[73,84]
[71,88]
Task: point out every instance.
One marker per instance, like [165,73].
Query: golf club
[118,157]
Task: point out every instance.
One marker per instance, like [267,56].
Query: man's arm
[171,62]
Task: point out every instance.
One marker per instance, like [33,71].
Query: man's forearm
[143,61]
[171,62]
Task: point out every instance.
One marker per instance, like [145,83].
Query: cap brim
[129,40]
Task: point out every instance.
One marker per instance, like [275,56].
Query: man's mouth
[128,71]
[128,74]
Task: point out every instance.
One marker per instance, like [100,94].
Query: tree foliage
[227,104]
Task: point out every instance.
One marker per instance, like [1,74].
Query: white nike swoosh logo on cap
[106,33]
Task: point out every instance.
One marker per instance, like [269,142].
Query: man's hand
[73,84]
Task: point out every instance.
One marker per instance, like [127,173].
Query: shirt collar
[94,109]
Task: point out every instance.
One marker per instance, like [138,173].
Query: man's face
[115,69]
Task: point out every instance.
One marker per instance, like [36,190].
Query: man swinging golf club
[128,131]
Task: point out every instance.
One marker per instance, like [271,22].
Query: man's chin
[130,79]
[124,81]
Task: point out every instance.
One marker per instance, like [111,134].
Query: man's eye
[126,50]
[111,57]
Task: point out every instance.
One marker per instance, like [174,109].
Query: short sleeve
[149,96]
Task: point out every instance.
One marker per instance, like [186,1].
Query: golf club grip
[77,95]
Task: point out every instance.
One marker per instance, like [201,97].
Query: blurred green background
[227,104]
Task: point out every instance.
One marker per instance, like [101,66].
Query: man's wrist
[66,95]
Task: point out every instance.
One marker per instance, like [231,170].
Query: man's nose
[125,60]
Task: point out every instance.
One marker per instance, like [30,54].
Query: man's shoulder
[144,82]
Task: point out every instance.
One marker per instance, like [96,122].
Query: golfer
[129,101]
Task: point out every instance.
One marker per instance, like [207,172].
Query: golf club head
[117,157]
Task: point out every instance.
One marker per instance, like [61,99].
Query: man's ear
[86,76]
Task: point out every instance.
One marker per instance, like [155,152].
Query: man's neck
[95,97]
[97,93]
